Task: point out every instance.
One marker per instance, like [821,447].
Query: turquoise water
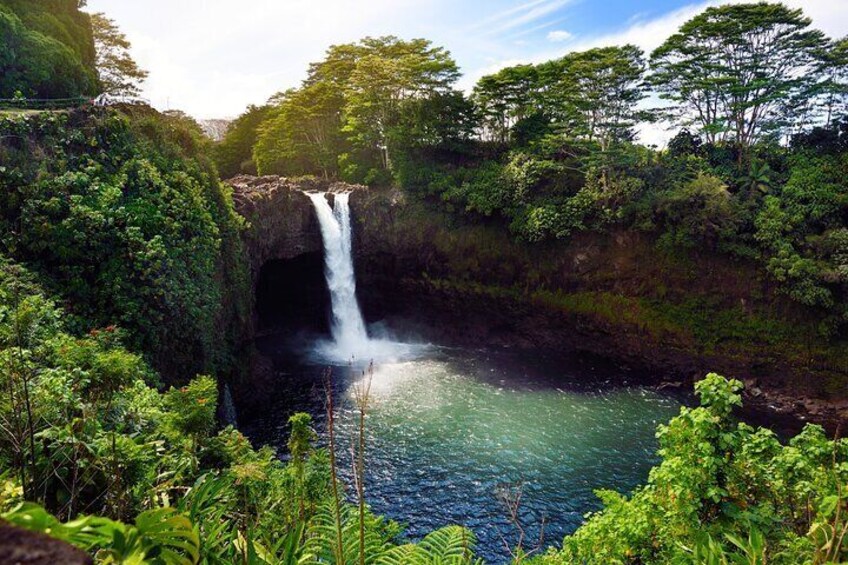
[447,431]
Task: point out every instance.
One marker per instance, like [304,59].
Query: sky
[213,58]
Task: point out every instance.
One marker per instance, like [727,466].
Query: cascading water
[350,337]
[228,408]
[348,327]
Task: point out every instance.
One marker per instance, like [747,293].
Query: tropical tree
[389,72]
[118,73]
[37,64]
[505,98]
[593,94]
[758,178]
[836,91]
[302,133]
[234,153]
[739,71]
[358,104]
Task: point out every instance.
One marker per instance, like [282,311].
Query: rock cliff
[281,219]
[619,295]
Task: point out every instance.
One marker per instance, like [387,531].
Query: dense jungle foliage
[86,432]
[124,215]
[121,267]
[46,50]
[96,456]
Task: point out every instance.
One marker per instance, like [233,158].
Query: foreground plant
[724,493]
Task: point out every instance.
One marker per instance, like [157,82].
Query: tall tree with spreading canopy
[740,71]
[593,95]
[836,91]
[302,133]
[118,73]
[505,98]
[389,72]
[357,104]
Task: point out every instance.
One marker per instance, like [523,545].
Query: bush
[724,490]
[126,217]
[699,212]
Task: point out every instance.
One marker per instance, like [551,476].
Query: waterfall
[350,341]
[348,328]
[228,408]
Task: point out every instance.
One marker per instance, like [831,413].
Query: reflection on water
[445,431]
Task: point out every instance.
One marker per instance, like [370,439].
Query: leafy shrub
[701,211]
[724,492]
[126,217]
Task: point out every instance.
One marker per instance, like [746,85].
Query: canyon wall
[676,315]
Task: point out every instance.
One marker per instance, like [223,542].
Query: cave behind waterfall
[291,294]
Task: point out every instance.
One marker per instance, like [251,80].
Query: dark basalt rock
[281,221]
[23,547]
[281,227]
[280,216]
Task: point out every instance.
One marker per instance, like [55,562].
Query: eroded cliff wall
[678,315]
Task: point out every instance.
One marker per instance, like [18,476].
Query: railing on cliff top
[68,103]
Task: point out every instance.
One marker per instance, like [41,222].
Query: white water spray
[350,338]
[348,327]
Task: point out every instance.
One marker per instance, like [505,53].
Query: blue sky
[211,58]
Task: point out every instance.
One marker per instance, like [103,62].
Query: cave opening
[292,295]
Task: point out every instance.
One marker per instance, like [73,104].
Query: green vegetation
[762,82]
[357,107]
[135,475]
[234,154]
[121,267]
[85,433]
[118,73]
[723,493]
[756,171]
[124,216]
[46,50]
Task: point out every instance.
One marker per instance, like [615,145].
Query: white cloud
[646,34]
[559,35]
[508,13]
[525,14]
[212,58]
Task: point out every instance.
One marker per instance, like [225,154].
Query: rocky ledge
[21,546]
[281,219]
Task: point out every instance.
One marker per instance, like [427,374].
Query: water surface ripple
[447,431]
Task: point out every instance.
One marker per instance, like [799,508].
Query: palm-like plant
[161,536]
[320,546]
[758,178]
[452,545]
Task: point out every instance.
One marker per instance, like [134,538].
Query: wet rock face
[281,219]
[285,252]
[432,277]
